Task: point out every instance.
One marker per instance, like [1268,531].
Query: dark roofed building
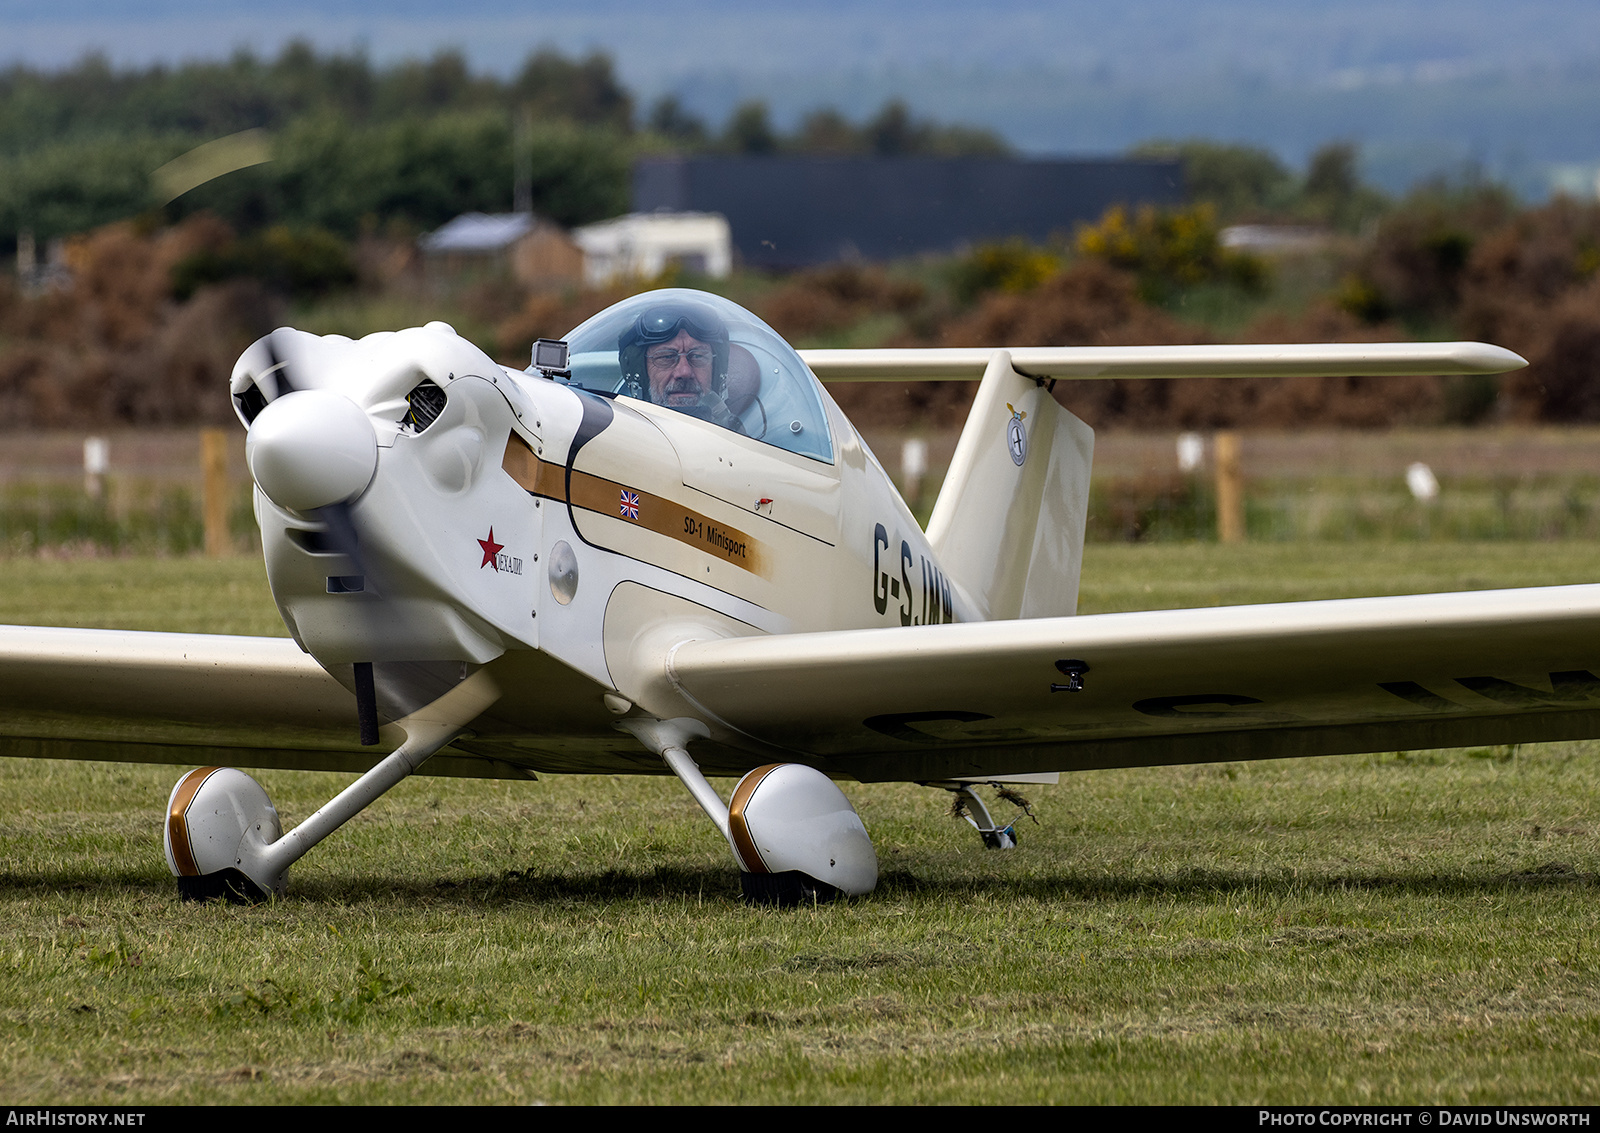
[795,211]
[537,252]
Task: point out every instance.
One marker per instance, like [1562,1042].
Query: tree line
[357,146]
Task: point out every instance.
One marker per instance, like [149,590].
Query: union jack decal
[630,504]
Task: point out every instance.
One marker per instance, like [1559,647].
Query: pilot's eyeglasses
[699,358]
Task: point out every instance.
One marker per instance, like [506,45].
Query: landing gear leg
[670,740]
[222,834]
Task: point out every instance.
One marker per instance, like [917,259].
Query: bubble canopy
[706,357]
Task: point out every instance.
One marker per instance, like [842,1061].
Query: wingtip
[1486,358]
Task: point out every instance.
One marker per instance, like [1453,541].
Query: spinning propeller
[314,451]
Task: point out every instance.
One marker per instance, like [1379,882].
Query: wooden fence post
[1230,490]
[214,491]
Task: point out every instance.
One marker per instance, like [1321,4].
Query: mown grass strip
[1383,928]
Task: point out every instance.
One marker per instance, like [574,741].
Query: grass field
[1382,928]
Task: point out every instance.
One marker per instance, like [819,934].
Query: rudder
[1009,522]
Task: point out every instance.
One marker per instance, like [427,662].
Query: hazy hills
[1424,85]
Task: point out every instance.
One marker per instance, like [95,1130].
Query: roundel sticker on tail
[1016,435]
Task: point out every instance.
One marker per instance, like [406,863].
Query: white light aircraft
[663,547]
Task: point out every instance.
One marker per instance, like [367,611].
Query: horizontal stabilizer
[1336,359]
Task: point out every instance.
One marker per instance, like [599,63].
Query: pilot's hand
[712,408]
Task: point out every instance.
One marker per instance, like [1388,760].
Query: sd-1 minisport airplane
[663,547]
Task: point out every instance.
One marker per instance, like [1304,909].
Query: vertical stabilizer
[1008,525]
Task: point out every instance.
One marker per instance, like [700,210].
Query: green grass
[1123,576]
[1334,509]
[188,595]
[1385,928]
[140,518]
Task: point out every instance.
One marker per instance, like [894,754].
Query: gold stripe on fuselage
[655,513]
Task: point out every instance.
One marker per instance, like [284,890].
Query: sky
[1511,89]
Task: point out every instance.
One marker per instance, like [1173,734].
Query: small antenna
[522,160]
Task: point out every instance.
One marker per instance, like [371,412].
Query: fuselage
[573,539]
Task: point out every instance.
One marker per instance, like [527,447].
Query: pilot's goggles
[659,324]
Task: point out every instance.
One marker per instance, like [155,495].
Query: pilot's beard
[680,392]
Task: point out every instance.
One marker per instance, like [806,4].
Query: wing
[1232,683]
[1377,359]
[914,703]
[182,698]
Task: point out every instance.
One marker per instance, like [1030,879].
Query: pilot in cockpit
[678,353]
[703,356]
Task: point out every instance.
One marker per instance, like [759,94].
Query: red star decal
[490,550]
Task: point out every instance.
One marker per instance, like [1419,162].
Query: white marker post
[913,467]
[1422,482]
[96,462]
[1191,451]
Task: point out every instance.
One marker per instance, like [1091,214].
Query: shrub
[832,298]
[1415,266]
[1168,250]
[298,262]
[1012,266]
[1239,182]
[114,346]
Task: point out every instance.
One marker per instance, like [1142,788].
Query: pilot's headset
[662,323]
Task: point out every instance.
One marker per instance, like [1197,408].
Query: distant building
[536,252]
[643,245]
[797,211]
[1275,239]
[1580,181]
[37,278]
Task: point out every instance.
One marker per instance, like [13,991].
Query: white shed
[645,244]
